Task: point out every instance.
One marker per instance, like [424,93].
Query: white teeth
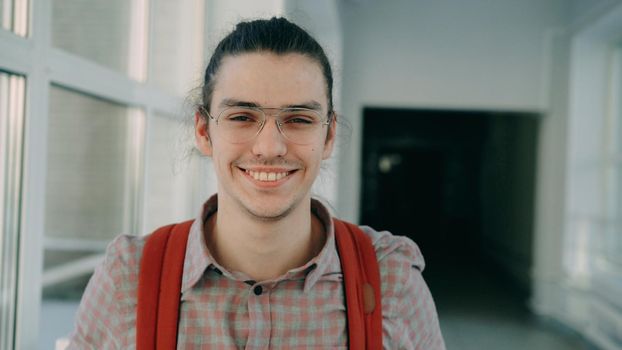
[264,176]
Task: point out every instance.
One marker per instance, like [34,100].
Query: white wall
[222,15]
[441,54]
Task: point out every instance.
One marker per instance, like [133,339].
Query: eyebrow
[231,102]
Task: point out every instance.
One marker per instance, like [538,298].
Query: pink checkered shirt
[220,309]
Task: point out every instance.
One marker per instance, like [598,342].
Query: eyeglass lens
[299,126]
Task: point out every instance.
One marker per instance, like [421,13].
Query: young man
[261,269]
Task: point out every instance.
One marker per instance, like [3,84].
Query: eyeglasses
[241,124]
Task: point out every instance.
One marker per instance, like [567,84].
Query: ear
[201,134]
[330,137]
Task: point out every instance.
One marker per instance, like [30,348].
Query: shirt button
[258,290]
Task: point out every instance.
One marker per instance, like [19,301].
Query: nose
[269,143]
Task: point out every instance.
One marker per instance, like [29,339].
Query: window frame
[589,282]
[34,57]
[11,139]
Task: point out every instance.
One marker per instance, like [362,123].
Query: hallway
[477,311]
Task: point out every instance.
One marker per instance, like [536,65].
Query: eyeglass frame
[329,118]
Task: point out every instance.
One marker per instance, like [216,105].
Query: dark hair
[276,35]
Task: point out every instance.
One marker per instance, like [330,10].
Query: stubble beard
[253,210]
[264,216]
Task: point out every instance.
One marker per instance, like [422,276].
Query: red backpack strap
[159,287]
[361,276]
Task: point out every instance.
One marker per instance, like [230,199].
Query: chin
[272,209]
[269,215]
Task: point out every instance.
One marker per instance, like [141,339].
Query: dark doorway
[459,183]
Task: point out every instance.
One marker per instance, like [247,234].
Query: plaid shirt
[222,309]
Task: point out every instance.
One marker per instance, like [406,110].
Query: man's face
[267,80]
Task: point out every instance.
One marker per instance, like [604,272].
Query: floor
[477,311]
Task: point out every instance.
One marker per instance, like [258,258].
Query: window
[588,292]
[111,33]
[14,16]
[175,49]
[12,90]
[92,183]
[92,188]
[164,192]
[97,72]
[93,168]
[608,246]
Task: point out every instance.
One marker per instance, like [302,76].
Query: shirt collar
[198,258]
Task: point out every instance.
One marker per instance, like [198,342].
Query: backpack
[161,270]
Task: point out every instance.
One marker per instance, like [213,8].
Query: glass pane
[176,47]
[92,185]
[614,237]
[11,132]
[111,33]
[92,167]
[169,174]
[14,16]
[615,125]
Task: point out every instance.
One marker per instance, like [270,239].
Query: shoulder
[409,314]
[400,263]
[122,259]
[125,248]
[106,313]
[120,267]
[116,278]
[392,249]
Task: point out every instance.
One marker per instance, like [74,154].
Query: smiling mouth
[267,176]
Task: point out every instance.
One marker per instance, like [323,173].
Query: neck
[264,249]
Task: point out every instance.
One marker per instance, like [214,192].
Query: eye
[299,120]
[241,117]
[300,117]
